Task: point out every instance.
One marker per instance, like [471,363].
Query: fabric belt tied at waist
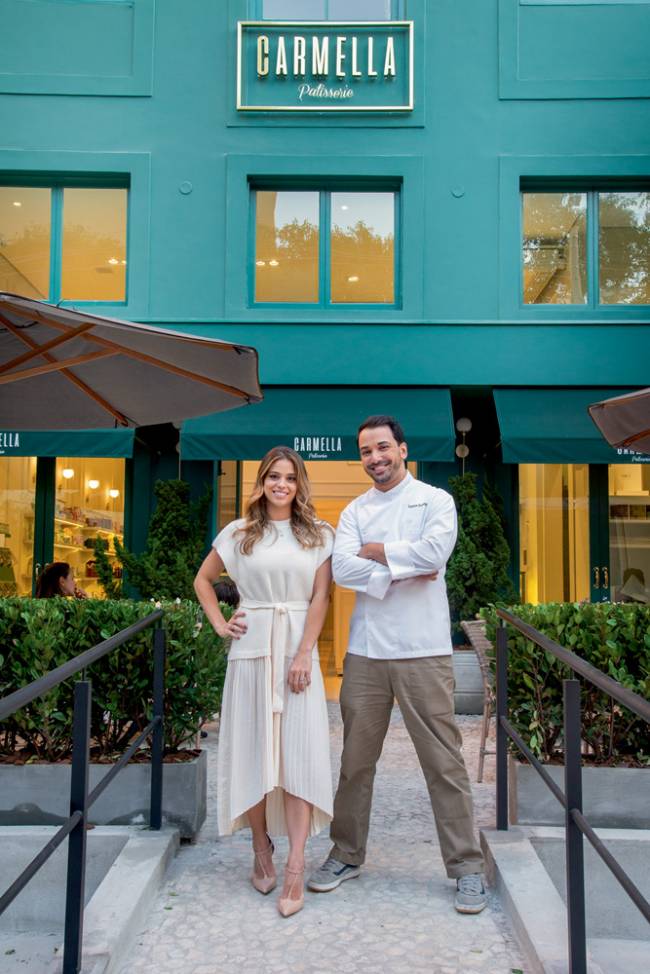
[279,639]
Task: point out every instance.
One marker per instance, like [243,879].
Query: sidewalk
[397,917]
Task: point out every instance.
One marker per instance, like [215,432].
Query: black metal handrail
[75,826]
[576,825]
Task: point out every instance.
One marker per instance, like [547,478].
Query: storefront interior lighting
[353,279]
[93,484]
[260,263]
[67,473]
[17,203]
[113,260]
[113,492]
[274,263]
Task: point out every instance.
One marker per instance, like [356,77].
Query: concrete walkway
[398,917]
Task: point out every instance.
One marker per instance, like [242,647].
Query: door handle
[605,571]
[596,577]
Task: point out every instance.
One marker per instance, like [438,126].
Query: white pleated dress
[271,739]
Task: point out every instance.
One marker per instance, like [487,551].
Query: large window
[324,247]
[586,248]
[629,532]
[64,243]
[328,9]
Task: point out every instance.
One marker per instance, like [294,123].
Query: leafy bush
[174,550]
[613,637]
[37,635]
[477,573]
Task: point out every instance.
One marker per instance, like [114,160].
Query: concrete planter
[468,692]
[39,794]
[614,798]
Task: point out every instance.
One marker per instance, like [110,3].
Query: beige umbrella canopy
[625,420]
[64,369]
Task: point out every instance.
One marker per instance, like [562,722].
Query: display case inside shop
[17,503]
[89,506]
[629,532]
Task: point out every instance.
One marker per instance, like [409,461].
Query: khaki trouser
[424,690]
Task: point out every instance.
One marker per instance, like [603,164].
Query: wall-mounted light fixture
[463,425]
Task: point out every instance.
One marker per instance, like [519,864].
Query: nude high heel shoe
[264,884]
[286,905]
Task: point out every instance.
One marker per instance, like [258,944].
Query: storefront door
[17,524]
[584,532]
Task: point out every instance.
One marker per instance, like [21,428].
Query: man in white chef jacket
[392,545]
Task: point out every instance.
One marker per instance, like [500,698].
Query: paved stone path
[398,917]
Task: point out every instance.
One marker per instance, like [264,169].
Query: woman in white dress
[273,770]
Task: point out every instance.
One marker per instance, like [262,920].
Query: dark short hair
[373,422]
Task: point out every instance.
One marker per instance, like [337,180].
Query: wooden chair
[474,629]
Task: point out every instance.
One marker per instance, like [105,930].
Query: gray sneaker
[470,894]
[331,874]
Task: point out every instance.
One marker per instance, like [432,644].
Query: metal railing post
[158,737]
[502,737]
[76,880]
[575,870]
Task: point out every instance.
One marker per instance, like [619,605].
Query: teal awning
[321,424]
[67,443]
[554,426]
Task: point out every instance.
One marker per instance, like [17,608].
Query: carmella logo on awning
[294,66]
[9,442]
[318,447]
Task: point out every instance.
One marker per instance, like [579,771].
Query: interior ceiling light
[353,279]
[274,263]
[67,473]
[260,263]
[344,206]
[113,492]
[113,260]
[17,203]
[93,484]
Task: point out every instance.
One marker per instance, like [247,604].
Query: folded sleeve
[407,559]
[224,545]
[350,571]
[326,551]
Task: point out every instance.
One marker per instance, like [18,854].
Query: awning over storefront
[67,443]
[321,424]
[554,426]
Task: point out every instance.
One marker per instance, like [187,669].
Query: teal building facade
[437,209]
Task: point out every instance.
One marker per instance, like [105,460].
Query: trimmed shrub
[477,573]
[613,637]
[37,635]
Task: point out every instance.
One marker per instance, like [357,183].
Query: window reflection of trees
[554,248]
[362,265]
[624,248]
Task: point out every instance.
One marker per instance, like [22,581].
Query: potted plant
[36,743]
[477,574]
[615,638]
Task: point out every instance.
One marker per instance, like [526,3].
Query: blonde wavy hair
[308,530]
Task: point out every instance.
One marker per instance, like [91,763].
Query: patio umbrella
[65,369]
[625,420]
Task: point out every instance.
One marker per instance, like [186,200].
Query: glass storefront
[17,504]
[89,504]
[554,532]
[629,532]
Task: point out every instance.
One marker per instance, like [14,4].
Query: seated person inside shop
[58,579]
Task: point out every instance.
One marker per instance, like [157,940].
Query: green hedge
[613,637]
[37,635]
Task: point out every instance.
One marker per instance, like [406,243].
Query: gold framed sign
[324,66]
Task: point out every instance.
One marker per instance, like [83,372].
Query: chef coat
[398,614]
